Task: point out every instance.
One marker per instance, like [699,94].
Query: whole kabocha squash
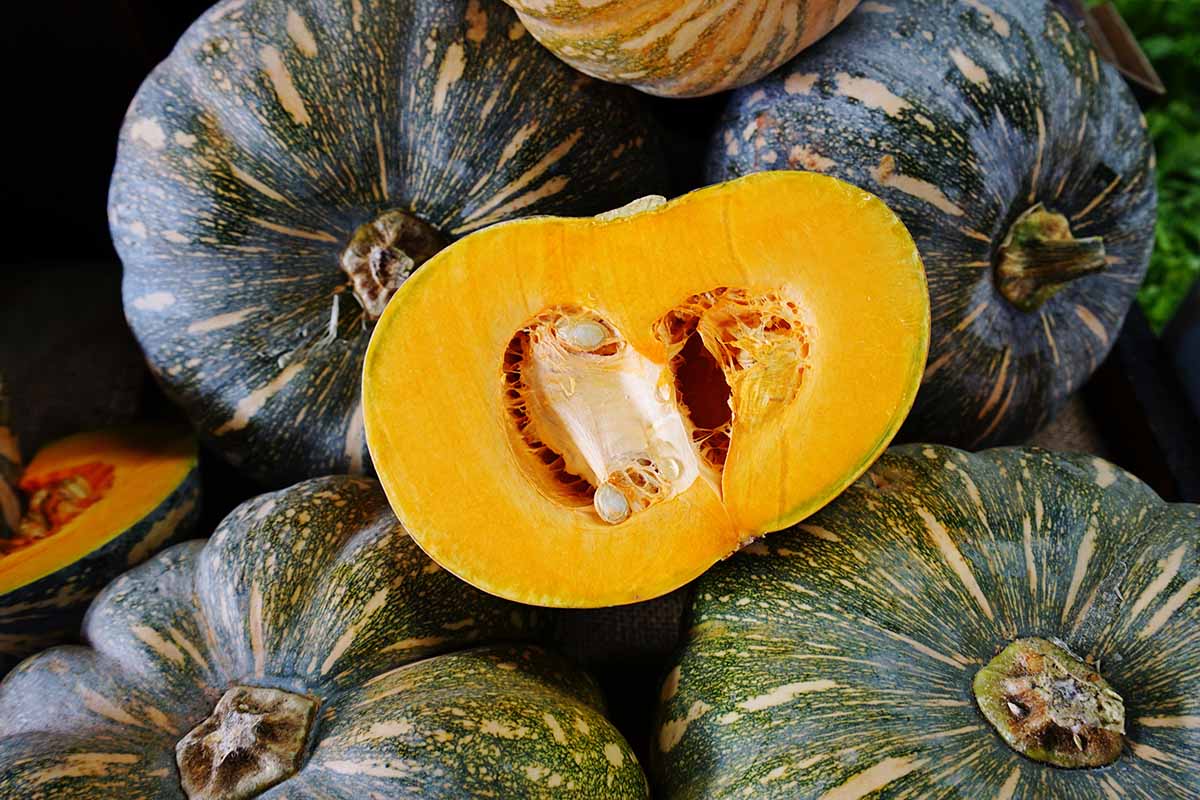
[676,49]
[954,625]
[85,509]
[1021,165]
[311,647]
[290,164]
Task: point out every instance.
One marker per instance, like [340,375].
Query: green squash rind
[50,609]
[315,589]
[961,116]
[841,653]
[272,132]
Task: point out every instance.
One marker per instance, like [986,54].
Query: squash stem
[255,738]
[1050,706]
[1039,257]
[383,253]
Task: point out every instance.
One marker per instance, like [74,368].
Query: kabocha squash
[1019,162]
[651,388]
[85,509]
[285,169]
[947,615]
[675,49]
[311,647]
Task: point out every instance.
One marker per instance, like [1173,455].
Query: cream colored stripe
[998,389]
[956,561]
[1093,324]
[344,641]
[383,181]
[1041,147]
[1173,604]
[785,694]
[1185,721]
[257,185]
[77,765]
[925,650]
[99,704]
[450,72]
[530,175]
[1087,546]
[1170,568]
[158,644]
[1010,785]
[222,320]
[547,189]
[256,629]
[252,403]
[316,236]
[873,778]
[1030,565]
[1096,200]
[188,647]
[285,89]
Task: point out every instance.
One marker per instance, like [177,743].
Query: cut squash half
[589,412]
[92,506]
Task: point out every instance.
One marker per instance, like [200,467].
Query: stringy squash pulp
[586,412]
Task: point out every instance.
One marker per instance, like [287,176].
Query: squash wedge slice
[589,412]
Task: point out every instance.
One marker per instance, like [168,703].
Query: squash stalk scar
[383,253]
[1039,257]
[1048,705]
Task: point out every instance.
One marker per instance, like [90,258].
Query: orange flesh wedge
[135,468]
[589,412]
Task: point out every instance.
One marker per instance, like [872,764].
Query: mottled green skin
[316,589]
[48,611]
[841,653]
[951,92]
[273,131]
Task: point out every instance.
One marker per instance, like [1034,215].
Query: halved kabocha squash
[587,412]
[85,509]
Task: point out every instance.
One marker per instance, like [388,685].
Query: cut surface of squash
[87,489]
[587,412]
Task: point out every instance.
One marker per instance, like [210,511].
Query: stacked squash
[938,202]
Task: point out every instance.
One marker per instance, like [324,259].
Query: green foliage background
[1169,31]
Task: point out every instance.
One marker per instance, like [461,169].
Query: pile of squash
[409,271]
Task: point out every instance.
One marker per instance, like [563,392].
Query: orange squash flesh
[819,386]
[119,476]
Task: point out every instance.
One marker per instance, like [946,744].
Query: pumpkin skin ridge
[162,652]
[259,199]
[816,595]
[947,133]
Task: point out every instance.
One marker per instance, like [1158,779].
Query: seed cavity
[602,428]
[592,420]
[733,353]
[55,499]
